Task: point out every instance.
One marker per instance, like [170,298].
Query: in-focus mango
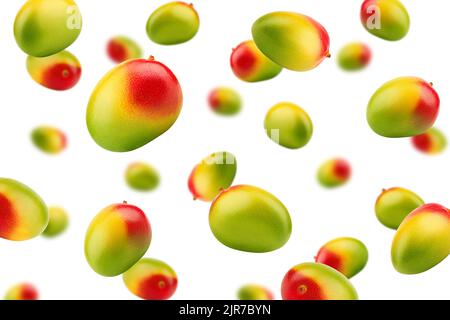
[225,101]
[142,176]
[334,173]
[23,214]
[386,19]
[316,281]
[354,56]
[60,71]
[431,142]
[46,27]
[250,219]
[292,40]
[122,48]
[58,222]
[403,107]
[173,23]
[347,255]
[22,291]
[254,292]
[212,175]
[133,104]
[394,204]
[49,139]
[250,64]
[151,279]
[116,239]
[288,125]
[423,239]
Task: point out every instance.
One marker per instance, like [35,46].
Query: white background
[87,178]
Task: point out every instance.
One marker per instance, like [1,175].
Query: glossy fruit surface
[58,222]
[151,279]
[116,239]
[403,107]
[386,19]
[249,219]
[354,56]
[292,40]
[173,23]
[45,27]
[394,204]
[316,281]
[122,48]
[288,125]
[136,102]
[60,71]
[423,239]
[141,176]
[347,255]
[23,214]
[212,175]
[250,64]
[431,142]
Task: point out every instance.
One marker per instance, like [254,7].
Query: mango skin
[251,65]
[225,101]
[212,175]
[347,255]
[423,240]
[394,204]
[288,125]
[151,279]
[403,107]
[334,173]
[393,18]
[22,291]
[122,48]
[141,176]
[292,40]
[134,103]
[173,23]
[36,22]
[431,142]
[354,56]
[254,292]
[316,281]
[58,222]
[49,139]
[116,239]
[250,219]
[23,214]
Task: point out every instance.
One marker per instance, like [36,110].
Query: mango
[60,71]
[225,101]
[22,291]
[141,176]
[354,56]
[347,255]
[254,292]
[49,139]
[394,204]
[212,175]
[334,173]
[403,107]
[116,239]
[151,279]
[288,125]
[122,48]
[58,222]
[249,64]
[385,19]
[45,27]
[136,102]
[431,142]
[423,239]
[173,23]
[23,214]
[316,281]
[250,219]
[292,40]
